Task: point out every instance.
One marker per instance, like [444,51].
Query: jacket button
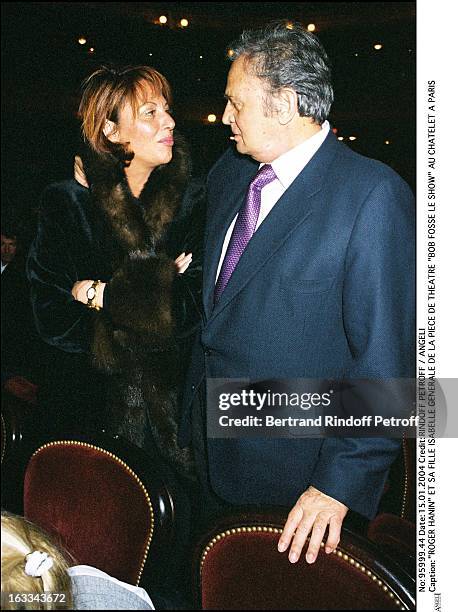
[207,352]
[193,387]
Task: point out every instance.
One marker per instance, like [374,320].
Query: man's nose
[228,115]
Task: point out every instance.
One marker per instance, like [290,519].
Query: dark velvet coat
[119,368]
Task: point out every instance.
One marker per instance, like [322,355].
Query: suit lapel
[291,209]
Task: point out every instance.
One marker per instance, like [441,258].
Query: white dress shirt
[287,167]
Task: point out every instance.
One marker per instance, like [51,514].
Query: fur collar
[138,227]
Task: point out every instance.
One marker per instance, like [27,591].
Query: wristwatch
[91,293]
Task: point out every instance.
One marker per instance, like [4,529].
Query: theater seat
[396,537]
[104,502]
[20,434]
[393,529]
[237,566]
[399,497]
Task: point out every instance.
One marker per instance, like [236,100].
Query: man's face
[9,247]
[254,133]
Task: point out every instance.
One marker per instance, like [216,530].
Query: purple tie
[244,227]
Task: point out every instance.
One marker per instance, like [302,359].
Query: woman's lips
[167,141]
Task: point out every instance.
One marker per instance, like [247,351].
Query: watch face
[90,293]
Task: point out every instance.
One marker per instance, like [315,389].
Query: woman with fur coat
[115,269]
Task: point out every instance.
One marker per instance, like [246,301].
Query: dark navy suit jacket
[324,289]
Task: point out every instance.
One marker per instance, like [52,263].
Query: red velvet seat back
[94,503]
[3,437]
[242,569]
[409,498]
[395,535]
[399,495]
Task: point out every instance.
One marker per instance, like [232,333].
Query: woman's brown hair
[106,91]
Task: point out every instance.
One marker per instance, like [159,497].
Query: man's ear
[111,131]
[286,105]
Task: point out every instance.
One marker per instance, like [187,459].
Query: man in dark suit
[18,338]
[308,273]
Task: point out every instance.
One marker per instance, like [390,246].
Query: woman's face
[149,132]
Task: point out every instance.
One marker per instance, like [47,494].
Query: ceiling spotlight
[311,27]
[230,52]
[184,23]
[387,142]
[211,118]
[356,54]
[82,40]
[91,50]
[163,19]
[289,25]
[352,138]
[340,137]
[378,46]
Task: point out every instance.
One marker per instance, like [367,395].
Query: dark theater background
[49,47]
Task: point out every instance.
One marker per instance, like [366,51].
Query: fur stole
[138,228]
[134,334]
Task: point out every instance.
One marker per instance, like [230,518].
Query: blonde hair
[106,91]
[19,539]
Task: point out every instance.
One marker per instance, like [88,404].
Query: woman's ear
[78,172]
[111,131]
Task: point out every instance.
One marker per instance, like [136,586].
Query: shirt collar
[289,165]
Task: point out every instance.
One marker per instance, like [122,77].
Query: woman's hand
[79,292]
[182,262]
[78,171]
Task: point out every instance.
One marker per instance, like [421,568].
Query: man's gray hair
[287,55]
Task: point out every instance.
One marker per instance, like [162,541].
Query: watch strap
[91,301]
